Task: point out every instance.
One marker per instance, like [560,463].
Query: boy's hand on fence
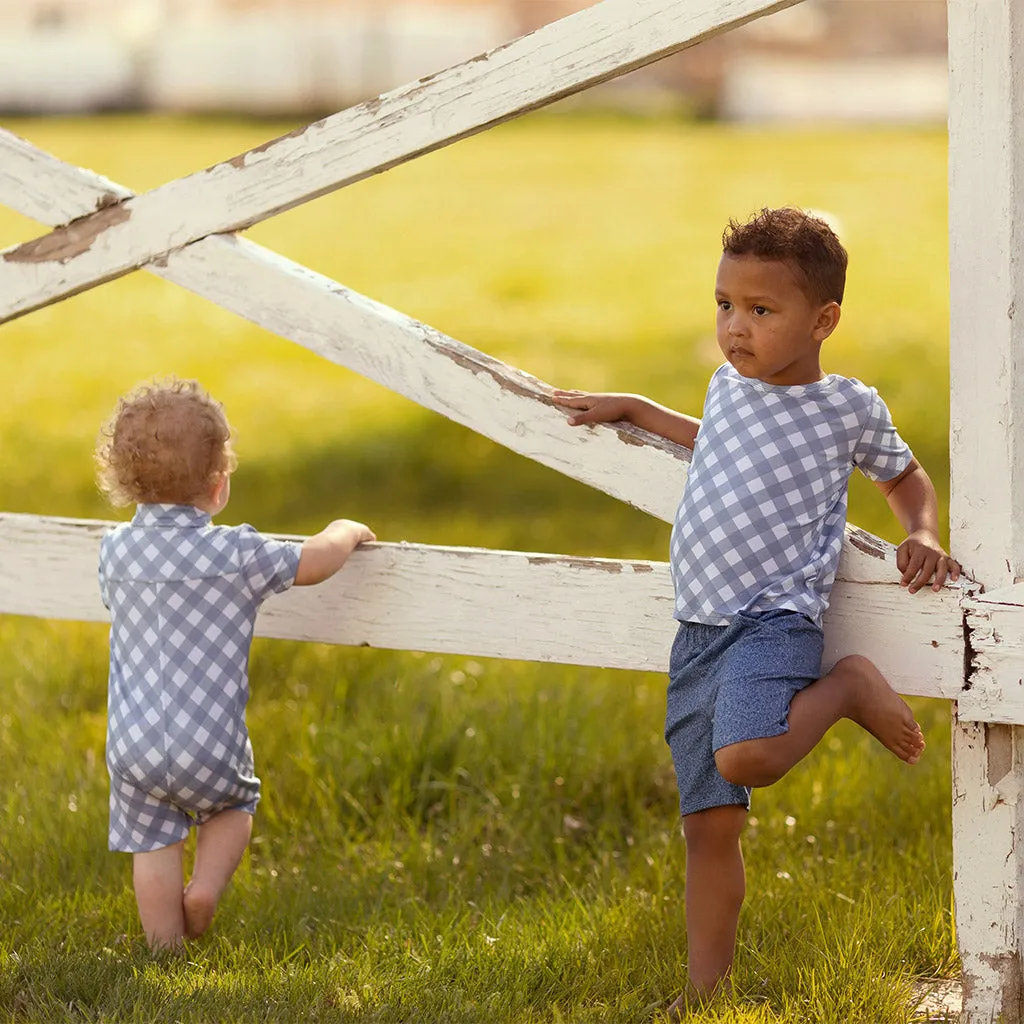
[612,407]
[920,558]
[602,407]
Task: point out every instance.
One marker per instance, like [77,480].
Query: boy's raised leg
[220,843]
[854,689]
[157,877]
[715,887]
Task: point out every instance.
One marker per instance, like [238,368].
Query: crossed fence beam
[102,231]
[506,405]
[627,603]
[961,645]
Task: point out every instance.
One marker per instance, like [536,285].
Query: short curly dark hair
[165,443]
[798,238]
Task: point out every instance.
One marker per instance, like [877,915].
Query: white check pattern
[183,596]
[761,522]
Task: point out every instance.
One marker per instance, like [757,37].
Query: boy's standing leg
[715,887]
[157,876]
[220,844]
[713,810]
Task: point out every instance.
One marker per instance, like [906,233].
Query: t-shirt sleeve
[881,454]
[268,565]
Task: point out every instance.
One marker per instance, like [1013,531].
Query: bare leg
[158,893]
[220,843]
[715,887]
[854,689]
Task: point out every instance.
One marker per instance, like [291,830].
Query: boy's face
[766,326]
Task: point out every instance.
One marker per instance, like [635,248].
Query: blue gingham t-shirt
[760,525]
[183,596]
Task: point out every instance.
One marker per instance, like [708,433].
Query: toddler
[183,596]
[754,552]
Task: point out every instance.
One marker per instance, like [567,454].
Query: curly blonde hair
[165,443]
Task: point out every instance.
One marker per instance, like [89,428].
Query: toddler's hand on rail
[359,533]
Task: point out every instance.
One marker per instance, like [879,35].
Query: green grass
[446,839]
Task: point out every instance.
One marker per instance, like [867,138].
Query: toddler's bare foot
[696,1000]
[678,1010]
[200,906]
[878,708]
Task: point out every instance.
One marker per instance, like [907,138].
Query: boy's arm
[326,552]
[608,407]
[911,497]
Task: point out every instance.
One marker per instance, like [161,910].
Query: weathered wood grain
[995,638]
[986,216]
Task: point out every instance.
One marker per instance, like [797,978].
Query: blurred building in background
[877,60]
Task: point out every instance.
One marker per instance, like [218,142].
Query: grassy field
[446,839]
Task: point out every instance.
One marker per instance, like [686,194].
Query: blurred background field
[444,838]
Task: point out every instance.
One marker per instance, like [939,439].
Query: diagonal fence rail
[565,57]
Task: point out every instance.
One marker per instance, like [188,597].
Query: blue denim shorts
[733,683]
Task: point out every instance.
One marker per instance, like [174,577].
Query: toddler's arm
[911,497]
[608,407]
[326,552]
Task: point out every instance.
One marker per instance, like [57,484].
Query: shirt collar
[169,515]
[816,387]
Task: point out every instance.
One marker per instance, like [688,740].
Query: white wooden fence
[965,644]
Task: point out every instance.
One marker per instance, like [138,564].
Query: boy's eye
[724,305]
[760,310]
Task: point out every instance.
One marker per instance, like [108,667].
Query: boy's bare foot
[200,906]
[878,708]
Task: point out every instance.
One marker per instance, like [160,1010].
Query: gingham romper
[183,596]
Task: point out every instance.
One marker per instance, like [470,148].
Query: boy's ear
[828,320]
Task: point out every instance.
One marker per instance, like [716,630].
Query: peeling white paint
[986,216]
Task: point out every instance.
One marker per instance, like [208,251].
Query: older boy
[183,596]
[754,552]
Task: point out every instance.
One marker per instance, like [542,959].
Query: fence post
[986,214]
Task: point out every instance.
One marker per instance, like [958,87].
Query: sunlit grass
[449,839]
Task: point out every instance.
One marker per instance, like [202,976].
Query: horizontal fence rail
[611,613]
